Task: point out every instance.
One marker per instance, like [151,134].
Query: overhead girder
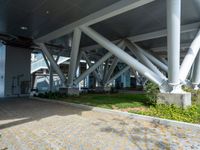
[103,14]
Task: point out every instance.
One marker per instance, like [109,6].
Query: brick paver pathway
[32,125]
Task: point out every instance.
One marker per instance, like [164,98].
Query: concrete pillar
[15,76]
[2,69]
[173,40]
[196,72]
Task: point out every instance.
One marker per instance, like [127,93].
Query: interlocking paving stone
[34,125]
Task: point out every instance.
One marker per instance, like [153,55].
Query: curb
[155,120]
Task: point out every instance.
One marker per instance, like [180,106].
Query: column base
[179,99]
[70,91]
[102,89]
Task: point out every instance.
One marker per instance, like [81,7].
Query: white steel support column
[190,57]
[73,56]
[118,75]
[196,72]
[173,40]
[53,63]
[92,68]
[129,60]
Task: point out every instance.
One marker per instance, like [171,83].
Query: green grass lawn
[110,100]
[137,103]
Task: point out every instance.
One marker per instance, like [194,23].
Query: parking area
[27,124]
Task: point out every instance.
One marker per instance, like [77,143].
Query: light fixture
[47,12]
[24,28]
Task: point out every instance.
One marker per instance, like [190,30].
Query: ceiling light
[24,28]
[47,12]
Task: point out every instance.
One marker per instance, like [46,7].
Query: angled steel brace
[190,57]
[53,63]
[114,63]
[117,75]
[90,65]
[129,60]
[106,69]
[92,68]
[153,59]
[196,72]
[111,69]
[45,59]
[73,56]
[141,57]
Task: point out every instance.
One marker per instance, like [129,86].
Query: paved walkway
[32,125]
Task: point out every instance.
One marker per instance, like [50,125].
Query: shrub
[191,114]
[152,91]
[52,95]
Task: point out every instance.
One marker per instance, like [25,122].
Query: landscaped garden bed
[133,103]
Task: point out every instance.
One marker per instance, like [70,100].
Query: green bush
[191,114]
[52,95]
[152,91]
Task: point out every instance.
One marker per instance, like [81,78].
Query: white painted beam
[153,35]
[163,33]
[103,14]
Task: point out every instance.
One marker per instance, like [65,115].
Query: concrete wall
[2,69]
[17,71]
